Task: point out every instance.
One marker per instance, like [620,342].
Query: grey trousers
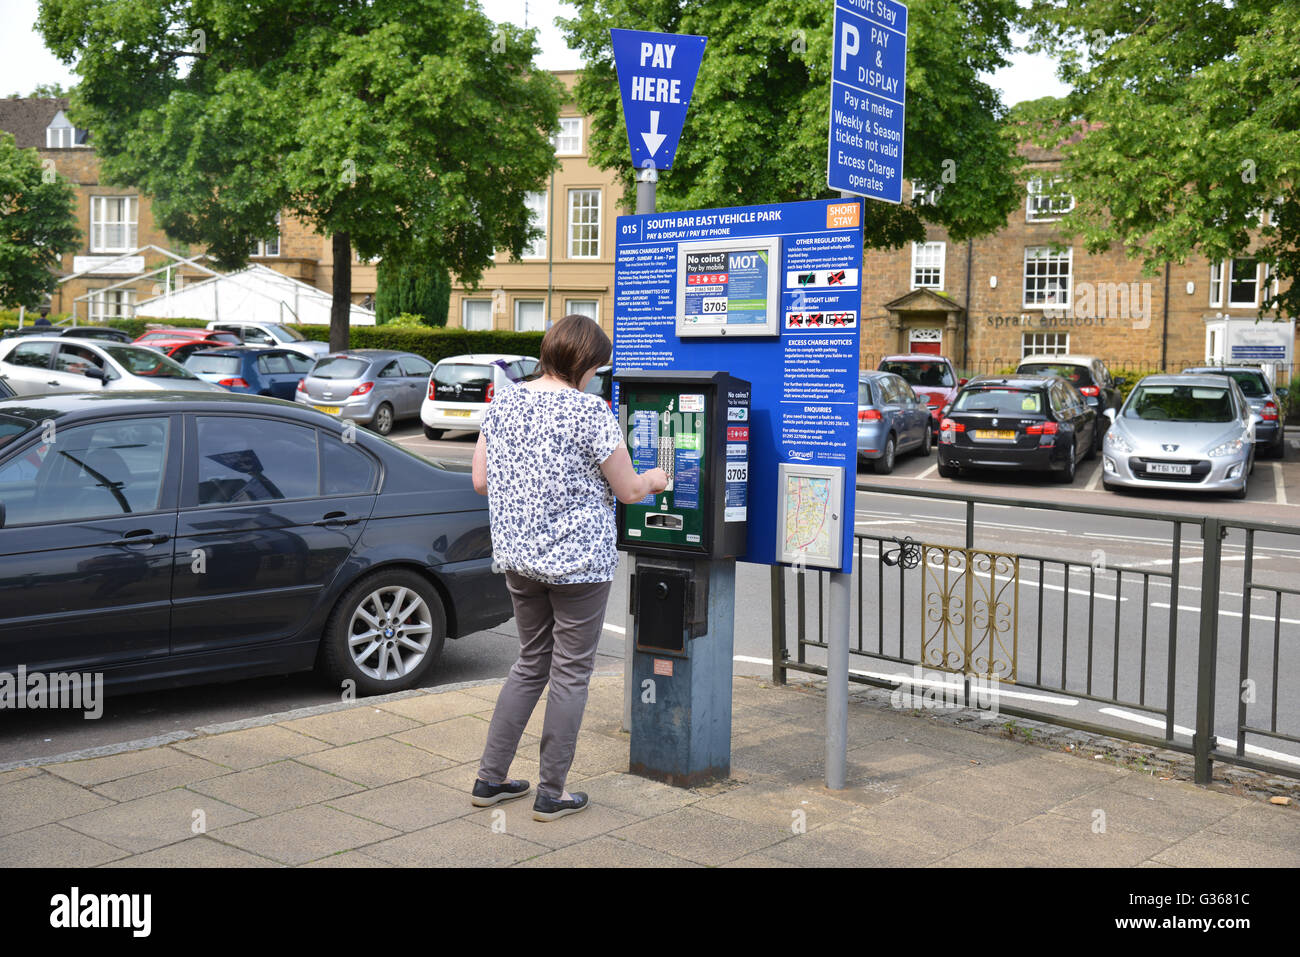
[559,627]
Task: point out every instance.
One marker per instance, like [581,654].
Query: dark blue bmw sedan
[164,539]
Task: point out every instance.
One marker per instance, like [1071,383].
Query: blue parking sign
[868,85]
[656,77]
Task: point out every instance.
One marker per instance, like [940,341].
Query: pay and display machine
[685,539]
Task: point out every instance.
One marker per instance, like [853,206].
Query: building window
[1044,344]
[582,307]
[113,222]
[1216,284]
[568,141]
[61,134]
[1243,282]
[269,247]
[538,216]
[476,314]
[530,315]
[112,304]
[1047,201]
[584,224]
[927,265]
[1047,276]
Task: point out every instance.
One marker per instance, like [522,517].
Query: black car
[102,333]
[1089,375]
[168,538]
[1021,422]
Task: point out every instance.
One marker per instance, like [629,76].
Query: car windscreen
[462,382]
[1180,403]
[11,427]
[213,365]
[1076,375]
[340,367]
[147,363]
[224,337]
[934,375]
[284,332]
[1000,401]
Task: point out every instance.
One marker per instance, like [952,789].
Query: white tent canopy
[255,293]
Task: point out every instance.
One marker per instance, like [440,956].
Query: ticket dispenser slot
[660,520]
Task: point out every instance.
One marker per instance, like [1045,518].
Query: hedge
[433,344]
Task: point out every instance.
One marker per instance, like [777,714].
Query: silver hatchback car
[1193,432]
[373,387]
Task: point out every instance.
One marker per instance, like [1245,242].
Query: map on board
[807,519]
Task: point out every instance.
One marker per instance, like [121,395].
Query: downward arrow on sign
[654,138]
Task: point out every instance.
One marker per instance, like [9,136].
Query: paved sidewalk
[385,782]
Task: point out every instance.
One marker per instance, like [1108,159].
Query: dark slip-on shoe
[485,795]
[547,808]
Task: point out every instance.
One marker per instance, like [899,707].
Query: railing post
[1206,659]
[970,524]
[778,624]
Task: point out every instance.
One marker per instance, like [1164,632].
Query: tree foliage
[394,126]
[1192,120]
[39,227]
[759,117]
[417,289]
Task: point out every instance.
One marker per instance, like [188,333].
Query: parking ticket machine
[685,539]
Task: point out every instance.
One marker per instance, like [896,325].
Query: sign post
[656,77]
[865,158]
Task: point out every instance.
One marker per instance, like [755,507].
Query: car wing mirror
[961,382]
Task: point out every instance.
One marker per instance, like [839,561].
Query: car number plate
[331,409]
[1165,468]
[464,413]
[995,434]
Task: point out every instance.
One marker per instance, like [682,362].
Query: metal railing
[1053,631]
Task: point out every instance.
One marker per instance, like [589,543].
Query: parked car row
[1200,429]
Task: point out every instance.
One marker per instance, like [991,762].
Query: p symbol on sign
[850,43]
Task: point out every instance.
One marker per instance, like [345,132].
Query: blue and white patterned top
[550,507]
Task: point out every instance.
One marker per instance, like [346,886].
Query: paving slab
[351,725]
[150,822]
[201,851]
[303,834]
[377,762]
[605,851]
[251,747]
[276,787]
[457,843]
[53,845]
[43,799]
[410,805]
[1053,840]
[702,836]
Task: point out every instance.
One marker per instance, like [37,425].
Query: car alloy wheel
[1066,475]
[925,445]
[385,632]
[384,419]
[885,464]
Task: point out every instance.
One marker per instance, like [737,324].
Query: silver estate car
[373,387]
[1193,432]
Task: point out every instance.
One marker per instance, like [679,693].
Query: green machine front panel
[669,429]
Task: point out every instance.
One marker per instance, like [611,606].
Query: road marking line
[928,472]
[616,629]
[752,661]
[1095,481]
[1230,614]
[883,521]
[1223,741]
[1281,484]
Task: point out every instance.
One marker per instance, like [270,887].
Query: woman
[551,459]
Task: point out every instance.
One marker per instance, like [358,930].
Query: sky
[24,61]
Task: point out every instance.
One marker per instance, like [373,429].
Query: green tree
[412,288]
[1192,120]
[411,127]
[759,117]
[39,227]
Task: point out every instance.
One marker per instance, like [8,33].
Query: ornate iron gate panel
[971,603]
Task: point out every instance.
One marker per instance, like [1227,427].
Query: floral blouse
[550,507]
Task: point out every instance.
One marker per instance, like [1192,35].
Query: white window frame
[537,250]
[540,303]
[1255,283]
[1039,205]
[263,247]
[1216,285]
[923,256]
[1037,343]
[587,241]
[1045,253]
[569,310]
[568,138]
[111,304]
[99,225]
[464,314]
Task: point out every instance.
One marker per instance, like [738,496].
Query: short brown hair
[573,345]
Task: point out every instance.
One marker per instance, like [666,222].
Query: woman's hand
[629,486]
[658,480]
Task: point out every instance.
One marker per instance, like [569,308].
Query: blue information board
[868,83]
[804,378]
